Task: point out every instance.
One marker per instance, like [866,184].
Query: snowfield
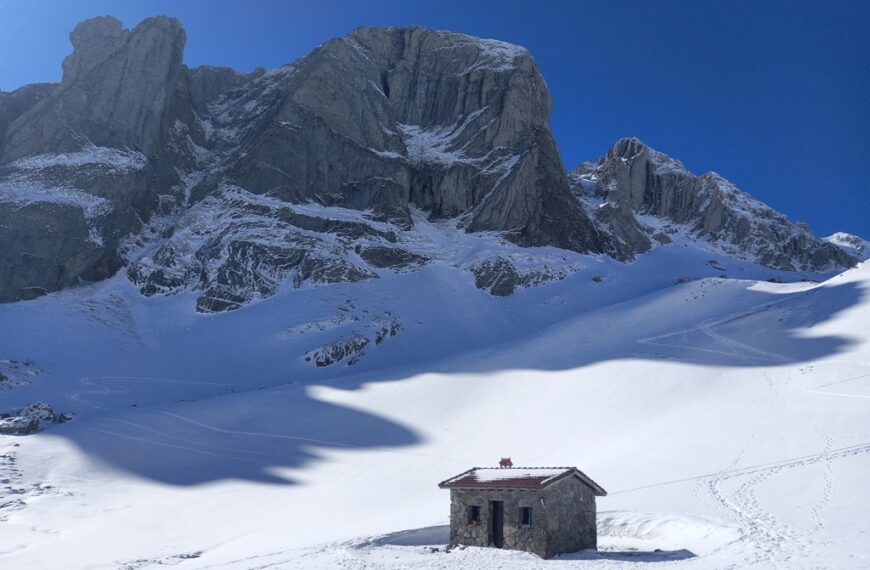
[727,416]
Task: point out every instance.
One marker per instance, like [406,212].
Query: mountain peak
[132,150]
[851,244]
[116,86]
[384,120]
[467,53]
[627,146]
[637,181]
[97,39]
[93,41]
[632,147]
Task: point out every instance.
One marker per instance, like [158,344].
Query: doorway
[497,523]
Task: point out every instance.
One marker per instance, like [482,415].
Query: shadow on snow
[439,536]
[208,435]
[767,330]
[249,436]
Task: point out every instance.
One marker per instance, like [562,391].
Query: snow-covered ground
[728,418]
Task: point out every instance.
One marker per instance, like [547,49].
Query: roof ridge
[521,467]
[517,478]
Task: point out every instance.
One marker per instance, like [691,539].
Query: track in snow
[108,385]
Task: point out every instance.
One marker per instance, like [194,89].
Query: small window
[474,514]
[526,517]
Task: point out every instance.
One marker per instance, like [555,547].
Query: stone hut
[543,510]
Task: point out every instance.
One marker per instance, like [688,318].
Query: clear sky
[775,96]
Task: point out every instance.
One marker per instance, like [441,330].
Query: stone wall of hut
[563,518]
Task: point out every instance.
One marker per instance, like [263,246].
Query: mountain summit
[229,183]
[640,195]
[383,120]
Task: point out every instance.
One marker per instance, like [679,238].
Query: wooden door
[497,523]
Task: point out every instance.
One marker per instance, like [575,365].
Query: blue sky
[775,96]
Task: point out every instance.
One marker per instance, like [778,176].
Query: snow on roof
[516,478]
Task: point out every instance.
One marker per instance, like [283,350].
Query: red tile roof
[532,478]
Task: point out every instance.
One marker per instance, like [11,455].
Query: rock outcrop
[30,419]
[502,277]
[15,373]
[637,193]
[352,348]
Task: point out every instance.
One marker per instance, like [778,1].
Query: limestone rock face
[634,182]
[79,161]
[116,86]
[384,120]
[18,102]
[94,41]
[233,184]
[390,118]
[236,247]
[58,235]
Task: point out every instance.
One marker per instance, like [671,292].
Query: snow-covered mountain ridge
[642,196]
[857,246]
[383,121]
[201,186]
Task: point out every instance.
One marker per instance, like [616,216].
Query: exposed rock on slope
[14,373]
[501,277]
[352,348]
[637,193]
[235,246]
[30,419]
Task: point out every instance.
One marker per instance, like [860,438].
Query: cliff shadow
[254,436]
[768,329]
[196,432]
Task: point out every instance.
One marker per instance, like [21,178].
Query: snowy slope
[726,416]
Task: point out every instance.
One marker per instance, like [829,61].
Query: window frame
[530,511]
[474,513]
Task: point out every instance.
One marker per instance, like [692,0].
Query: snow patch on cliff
[117,160]
[23,191]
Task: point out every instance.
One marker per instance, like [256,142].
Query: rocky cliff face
[232,184]
[388,119]
[80,161]
[641,196]
[383,120]
[116,87]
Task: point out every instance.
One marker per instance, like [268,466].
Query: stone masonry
[562,513]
